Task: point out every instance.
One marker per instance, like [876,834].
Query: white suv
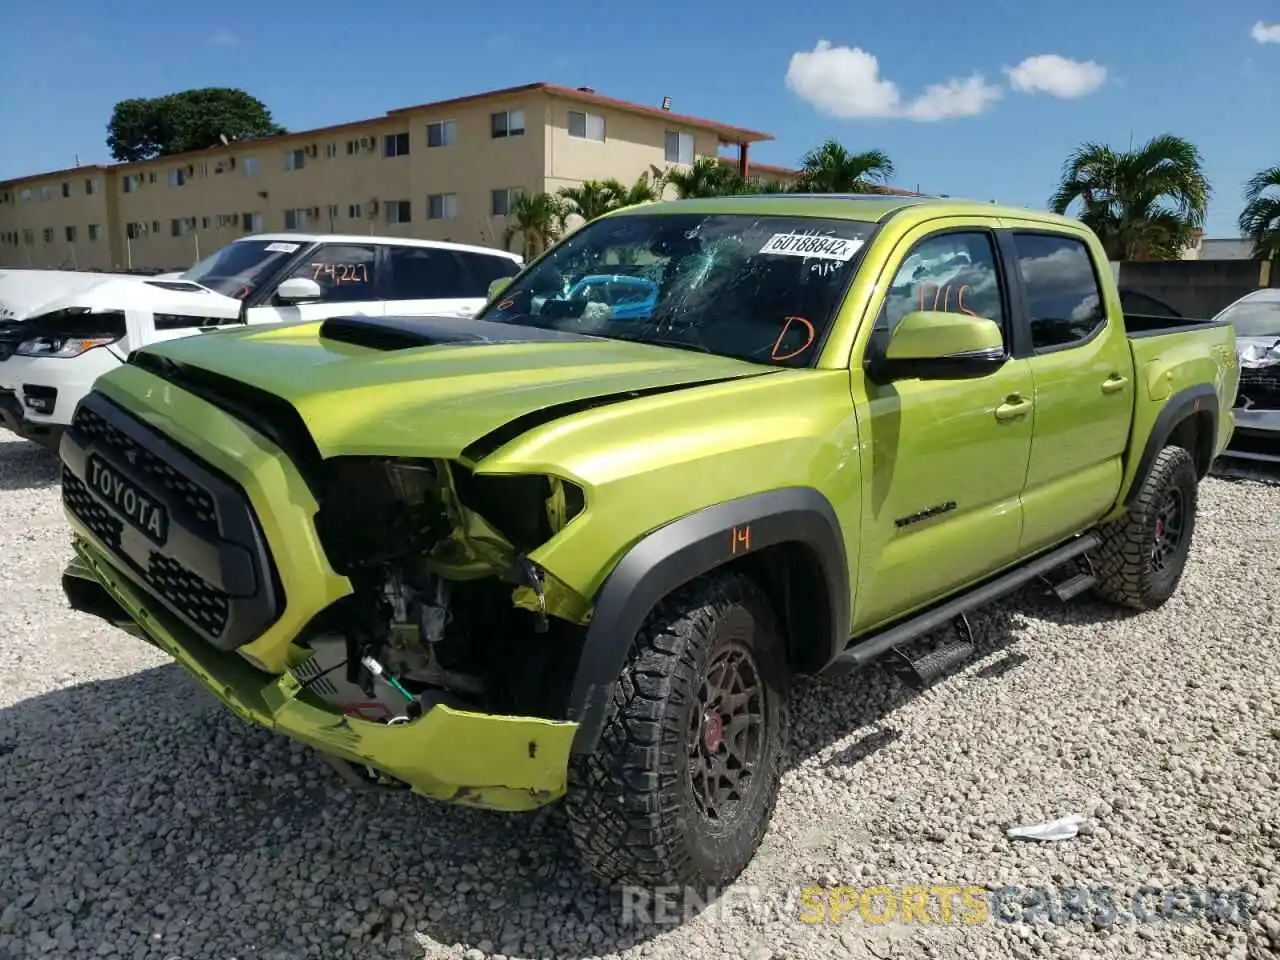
[67,342]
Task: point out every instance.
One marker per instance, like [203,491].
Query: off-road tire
[631,806]
[1126,572]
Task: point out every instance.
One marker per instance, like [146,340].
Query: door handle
[1013,408]
[1114,383]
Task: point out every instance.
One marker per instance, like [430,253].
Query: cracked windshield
[759,288]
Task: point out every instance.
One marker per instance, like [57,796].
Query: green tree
[1260,218]
[536,219]
[707,177]
[1145,203]
[595,198]
[197,119]
[830,168]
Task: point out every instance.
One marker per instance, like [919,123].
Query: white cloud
[845,82]
[1057,76]
[225,38]
[1266,32]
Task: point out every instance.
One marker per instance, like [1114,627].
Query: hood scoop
[405,333]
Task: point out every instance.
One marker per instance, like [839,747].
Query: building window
[177,176]
[295,159]
[46,193]
[127,184]
[507,123]
[250,166]
[66,189]
[330,151]
[29,237]
[331,213]
[297,219]
[25,195]
[500,201]
[679,147]
[226,220]
[71,234]
[395,145]
[353,147]
[155,226]
[442,206]
[252,222]
[181,226]
[355,211]
[398,211]
[586,126]
[134,230]
[204,223]
[442,133]
[47,233]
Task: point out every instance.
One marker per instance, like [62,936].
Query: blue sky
[931,85]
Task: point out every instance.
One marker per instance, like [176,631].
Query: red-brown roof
[69,171]
[728,132]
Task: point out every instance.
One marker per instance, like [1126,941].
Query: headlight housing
[61,347]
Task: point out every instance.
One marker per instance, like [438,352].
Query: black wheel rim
[727,735]
[1170,530]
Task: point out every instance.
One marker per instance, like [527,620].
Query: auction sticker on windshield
[811,245]
[279,247]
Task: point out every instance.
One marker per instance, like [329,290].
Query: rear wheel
[681,788]
[1144,553]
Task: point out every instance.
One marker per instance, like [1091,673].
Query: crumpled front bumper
[472,759]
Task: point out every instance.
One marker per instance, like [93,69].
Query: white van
[64,345]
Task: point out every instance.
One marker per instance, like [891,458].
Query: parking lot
[138,819]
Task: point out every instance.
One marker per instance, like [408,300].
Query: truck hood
[426,386]
[148,294]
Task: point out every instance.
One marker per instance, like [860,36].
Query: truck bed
[1150,325]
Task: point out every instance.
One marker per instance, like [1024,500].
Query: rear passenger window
[1064,301]
[428,273]
[345,272]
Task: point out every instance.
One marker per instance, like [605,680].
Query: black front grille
[93,514]
[198,601]
[207,564]
[1259,388]
[94,427]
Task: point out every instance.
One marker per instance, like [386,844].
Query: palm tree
[708,177]
[831,168]
[594,198]
[536,219]
[1260,219]
[1144,204]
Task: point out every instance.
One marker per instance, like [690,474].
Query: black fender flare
[682,550]
[1202,398]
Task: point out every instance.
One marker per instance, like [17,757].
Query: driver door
[349,278]
[945,460]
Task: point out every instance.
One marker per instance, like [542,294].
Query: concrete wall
[1196,288]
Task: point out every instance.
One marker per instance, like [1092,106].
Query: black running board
[869,648]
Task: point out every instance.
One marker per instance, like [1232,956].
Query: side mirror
[298,288]
[498,286]
[936,345]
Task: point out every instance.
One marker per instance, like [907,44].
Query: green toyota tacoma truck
[574,550]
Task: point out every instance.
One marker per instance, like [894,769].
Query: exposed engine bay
[445,608]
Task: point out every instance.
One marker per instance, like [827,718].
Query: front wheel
[680,790]
[1144,553]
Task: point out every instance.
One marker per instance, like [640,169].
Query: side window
[1064,302]
[952,272]
[344,272]
[427,273]
[486,269]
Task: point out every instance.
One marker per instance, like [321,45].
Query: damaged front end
[385,611]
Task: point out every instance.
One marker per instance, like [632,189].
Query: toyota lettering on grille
[141,510]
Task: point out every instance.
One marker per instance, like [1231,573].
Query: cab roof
[867,207]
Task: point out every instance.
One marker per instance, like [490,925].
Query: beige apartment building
[445,170]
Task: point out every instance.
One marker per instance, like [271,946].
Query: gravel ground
[137,819]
